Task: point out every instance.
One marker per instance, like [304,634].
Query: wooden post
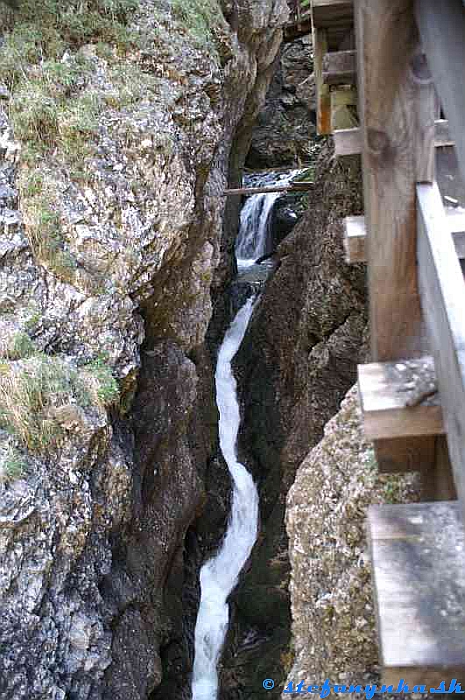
[397,150]
[320,48]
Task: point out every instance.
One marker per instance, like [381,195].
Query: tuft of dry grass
[31,391]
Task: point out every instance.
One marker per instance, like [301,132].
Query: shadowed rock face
[296,362]
[285,126]
[101,541]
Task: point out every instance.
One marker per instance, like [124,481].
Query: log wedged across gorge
[292,187]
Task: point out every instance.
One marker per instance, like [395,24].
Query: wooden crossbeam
[339,68]
[355,236]
[442,29]
[348,142]
[418,571]
[387,388]
[328,12]
[442,290]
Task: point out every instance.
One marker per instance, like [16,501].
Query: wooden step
[348,142]
[418,571]
[339,68]
[398,399]
[355,235]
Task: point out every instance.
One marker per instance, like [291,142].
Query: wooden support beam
[387,388]
[348,142]
[339,68]
[418,572]
[442,135]
[320,48]
[397,108]
[330,4]
[355,238]
[397,111]
[327,13]
[442,290]
[442,29]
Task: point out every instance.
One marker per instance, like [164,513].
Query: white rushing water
[253,239]
[219,575]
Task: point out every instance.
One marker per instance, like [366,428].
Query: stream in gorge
[219,575]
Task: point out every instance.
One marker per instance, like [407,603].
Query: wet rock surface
[101,537]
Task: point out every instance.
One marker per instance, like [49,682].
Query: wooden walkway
[404,61]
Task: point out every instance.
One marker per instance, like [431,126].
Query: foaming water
[219,575]
[254,237]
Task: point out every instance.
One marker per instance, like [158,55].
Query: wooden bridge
[404,61]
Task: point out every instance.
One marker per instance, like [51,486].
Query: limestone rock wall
[333,626]
[285,128]
[110,235]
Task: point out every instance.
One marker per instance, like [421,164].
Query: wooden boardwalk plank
[418,571]
[355,235]
[386,389]
[442,29]
[348,142]
[397,150]
[442,289]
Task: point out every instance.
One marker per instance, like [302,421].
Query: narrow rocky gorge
[102,527]
[119,129]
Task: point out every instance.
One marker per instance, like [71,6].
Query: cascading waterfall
[220,574]
[253,239]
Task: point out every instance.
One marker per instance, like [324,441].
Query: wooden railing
[410,55]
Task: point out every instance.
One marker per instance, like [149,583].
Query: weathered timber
[399,399]
[397,150]
[292,187]
[348,142]
[320,48]
[354,239]
[442,290]
[418,571]
[327,12]
[442,29]
[339,68]
[397,108]
[355,235]
[442,135]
